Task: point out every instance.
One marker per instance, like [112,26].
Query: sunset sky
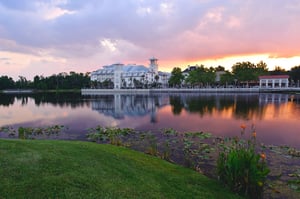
[51,36]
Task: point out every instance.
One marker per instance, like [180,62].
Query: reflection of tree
[57,99]
[176,104]
[202,105]
[241,106]
[225,103]
[6,100]
[247,107]
[296,99]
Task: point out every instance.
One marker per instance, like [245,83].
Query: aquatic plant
[188,152]
[9,130]
[295,182]
[195,148]
[113,135]
[153,144]
[171,138]
[293,152]
[32,133]
[240,167]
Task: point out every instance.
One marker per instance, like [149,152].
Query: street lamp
[235,80]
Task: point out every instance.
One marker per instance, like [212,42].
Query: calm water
[276,116]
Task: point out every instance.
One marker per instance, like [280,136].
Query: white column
[273,83]
[280,83]
[260,82]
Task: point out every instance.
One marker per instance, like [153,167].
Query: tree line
[242,74]
[70,80]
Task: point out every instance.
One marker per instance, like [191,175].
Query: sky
[45,37]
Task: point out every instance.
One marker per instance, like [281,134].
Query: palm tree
[156,80]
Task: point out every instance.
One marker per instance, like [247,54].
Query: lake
[276,116]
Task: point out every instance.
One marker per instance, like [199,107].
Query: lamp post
[235,80]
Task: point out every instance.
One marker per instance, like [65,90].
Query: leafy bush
[241,168]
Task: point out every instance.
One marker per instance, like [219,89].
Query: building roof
[164,73]
[134,68]
[130,68]
[189,68]
[274,77]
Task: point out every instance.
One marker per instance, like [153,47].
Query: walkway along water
[188,90]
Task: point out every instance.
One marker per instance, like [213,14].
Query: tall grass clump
[241,167]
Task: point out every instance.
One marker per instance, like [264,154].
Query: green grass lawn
[72,169]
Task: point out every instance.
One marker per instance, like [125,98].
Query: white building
[132,75]
[274,81]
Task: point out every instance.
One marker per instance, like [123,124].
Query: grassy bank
[61,169]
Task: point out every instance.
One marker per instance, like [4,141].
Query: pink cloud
[177,32]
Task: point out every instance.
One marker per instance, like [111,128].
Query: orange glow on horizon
[228,61]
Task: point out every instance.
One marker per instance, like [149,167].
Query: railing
[167,90]
[188,90]
[18,91]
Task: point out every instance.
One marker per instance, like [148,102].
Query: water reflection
[57,99]
[6,100]
[242,106]
[275,115]
[119,106]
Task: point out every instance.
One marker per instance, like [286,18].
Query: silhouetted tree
[6,83]
[176,77]
[295,74]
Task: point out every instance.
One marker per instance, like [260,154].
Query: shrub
[240,167]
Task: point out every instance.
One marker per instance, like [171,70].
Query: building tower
[154,65]
[117,76]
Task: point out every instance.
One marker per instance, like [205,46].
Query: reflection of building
[265,98]
[131,75]
[274,81]
[119,106]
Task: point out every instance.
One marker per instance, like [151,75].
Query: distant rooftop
[274,77]
[189,68]
[125,68]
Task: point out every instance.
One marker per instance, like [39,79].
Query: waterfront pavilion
[274,81]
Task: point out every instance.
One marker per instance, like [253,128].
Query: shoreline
[291,90]
[13,91]
[29,91]
[189,90]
